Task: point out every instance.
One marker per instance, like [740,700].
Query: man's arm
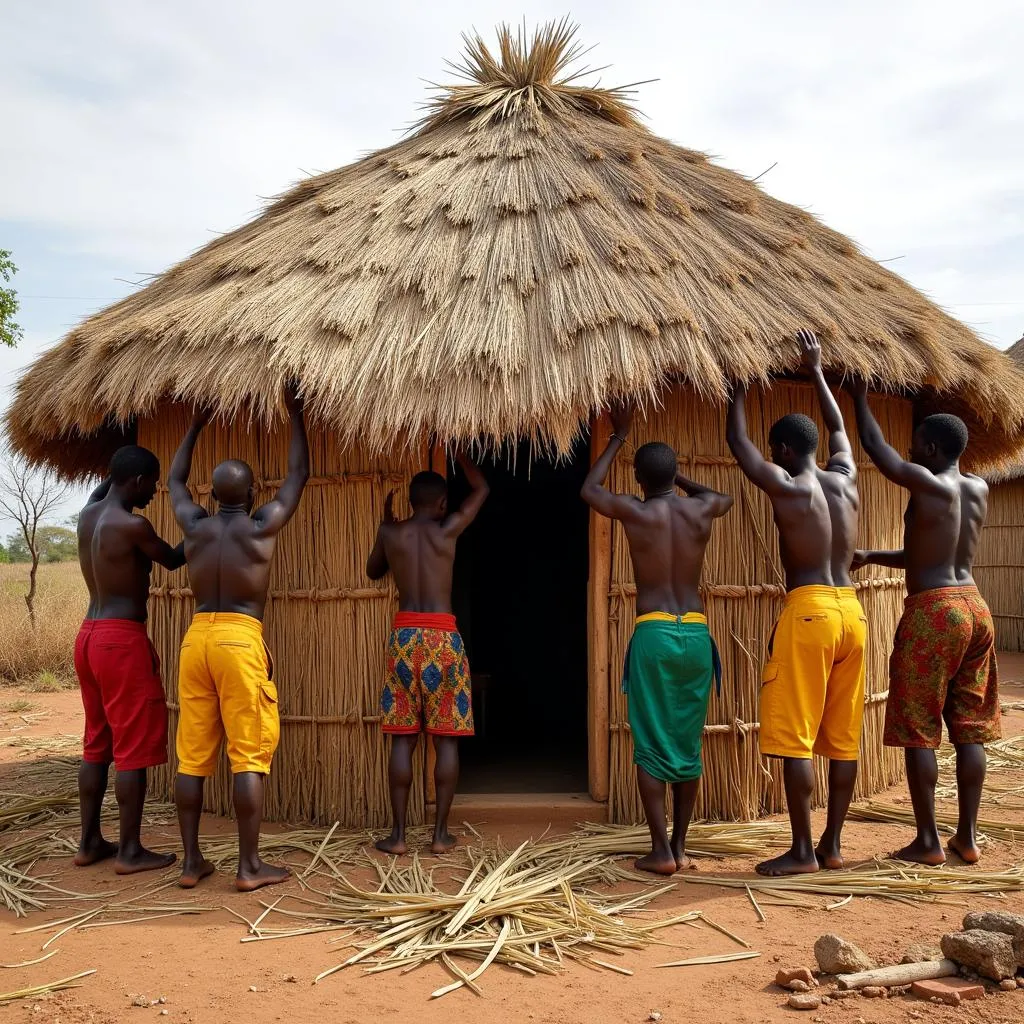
[593,491]
[718,503]
[892,465]
[377,564]
[769,477]
[271,517]
[457,522]
[891,559]
[155,548]
[100,491]
[839,448]
[186,511]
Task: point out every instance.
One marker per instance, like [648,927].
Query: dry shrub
[45,655]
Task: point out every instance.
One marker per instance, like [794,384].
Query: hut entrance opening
[520,595]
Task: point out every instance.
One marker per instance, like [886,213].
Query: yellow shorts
[225,690]
[812,686]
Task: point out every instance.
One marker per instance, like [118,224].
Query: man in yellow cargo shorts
[225,684]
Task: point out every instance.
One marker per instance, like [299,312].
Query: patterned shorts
[428,678]
[943,666]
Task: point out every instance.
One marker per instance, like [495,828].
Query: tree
[28,497]
[10,332]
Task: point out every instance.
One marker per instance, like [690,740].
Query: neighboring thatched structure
[999,568]
[529,253]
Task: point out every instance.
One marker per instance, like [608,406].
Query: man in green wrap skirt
[672,659]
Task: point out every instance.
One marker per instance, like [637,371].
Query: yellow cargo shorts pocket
[270,723]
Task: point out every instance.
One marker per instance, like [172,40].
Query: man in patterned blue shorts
[428,672]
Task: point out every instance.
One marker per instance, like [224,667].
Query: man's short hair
[797,431]
[131,461]
[655,464]
[947,432]
[427,488]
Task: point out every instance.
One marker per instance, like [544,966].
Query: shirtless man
[943,664]
[428,683]
[225,677]
[671,660]
[118,669]
[812,692]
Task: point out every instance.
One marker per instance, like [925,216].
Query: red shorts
[125,708]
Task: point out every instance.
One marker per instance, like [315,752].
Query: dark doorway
[520,595]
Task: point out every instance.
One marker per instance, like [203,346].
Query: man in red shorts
[118,669]
[943,663]
[428,672]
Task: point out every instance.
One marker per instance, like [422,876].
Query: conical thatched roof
[529,252]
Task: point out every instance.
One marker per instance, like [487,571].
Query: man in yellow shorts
[225,679]
[812,693]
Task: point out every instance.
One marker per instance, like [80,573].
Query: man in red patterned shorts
[428,671]
[118,670]
[943,664]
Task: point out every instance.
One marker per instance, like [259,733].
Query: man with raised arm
[428,682]
[118,669]
[943,663]
[812,692]
[671,660]
[225,675]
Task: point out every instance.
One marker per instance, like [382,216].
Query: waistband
[236,619]
[815,592]
[689,617]
[941,594]
[426,620]
[114,626]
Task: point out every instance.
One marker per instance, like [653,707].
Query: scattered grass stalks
[56,743]
[988,828]
[884,879]
[40,990]
[723,958]
[30,963]
[1004,777]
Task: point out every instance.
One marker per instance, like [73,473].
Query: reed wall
[326,624]
[743,591]
[999,566]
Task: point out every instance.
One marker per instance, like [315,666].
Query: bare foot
[787,864]
[192,874]
[395,845]
[969,853]
[443,843]
[93,853]
[265,874]
[143,860]
[657,863]
[829,860]
[919,852]
[684,862]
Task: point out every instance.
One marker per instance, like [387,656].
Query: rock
[826,1000]
[991,954]
[1008,984]
[844,993]
[796,985]
[253,988]
[654,1015]
[140,1001]
[873,992]
[995,921]
[951,991]
[837,956]
[804,1002]
[291,978]
[921,954]
[787,975]
[1020,983]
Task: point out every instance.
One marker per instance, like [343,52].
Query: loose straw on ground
[40,990]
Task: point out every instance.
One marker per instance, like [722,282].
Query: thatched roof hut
[530,251]
[1000,564]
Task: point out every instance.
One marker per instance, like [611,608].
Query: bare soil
[206,975]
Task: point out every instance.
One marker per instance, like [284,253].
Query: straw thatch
[999,566]
[528,252]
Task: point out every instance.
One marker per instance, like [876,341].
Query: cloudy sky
[132,133]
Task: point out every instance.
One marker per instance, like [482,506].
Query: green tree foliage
[10,331]
[56,544]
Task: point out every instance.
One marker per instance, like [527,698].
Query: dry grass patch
[42,658]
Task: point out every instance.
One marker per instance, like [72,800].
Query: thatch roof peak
[531,252]
[527,75]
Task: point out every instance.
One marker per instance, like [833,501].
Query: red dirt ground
[205,974]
